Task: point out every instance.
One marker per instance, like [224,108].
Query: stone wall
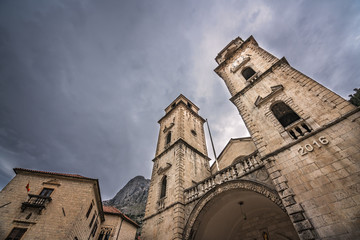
[322,180]
[120,228]
[187,167]
[64,216]
[236,148]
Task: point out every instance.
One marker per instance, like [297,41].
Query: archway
[239,210]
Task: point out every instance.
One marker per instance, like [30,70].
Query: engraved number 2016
[309,148]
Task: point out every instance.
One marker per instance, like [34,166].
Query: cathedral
[296,177]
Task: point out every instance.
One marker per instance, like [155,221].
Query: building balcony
[298,129]
[36,201]
[161,204]
[235,171]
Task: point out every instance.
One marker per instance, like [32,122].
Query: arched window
[163,187]
[248,73]
[168,138]
[284,114]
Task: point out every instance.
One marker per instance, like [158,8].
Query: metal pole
[212,144]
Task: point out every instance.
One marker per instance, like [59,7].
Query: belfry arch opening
[248,73]
[242,214]
[284,114]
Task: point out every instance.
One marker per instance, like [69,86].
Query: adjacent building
[47,205]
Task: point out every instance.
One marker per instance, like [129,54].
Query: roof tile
[113,210]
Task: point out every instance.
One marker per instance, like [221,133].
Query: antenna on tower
[212,144]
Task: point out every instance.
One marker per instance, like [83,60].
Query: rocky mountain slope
[131,199]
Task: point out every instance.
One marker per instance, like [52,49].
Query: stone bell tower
[180,161]
[308,135]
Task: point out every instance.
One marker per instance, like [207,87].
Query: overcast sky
[83,83]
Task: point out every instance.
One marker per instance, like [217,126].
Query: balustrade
[234,171]
[161,203]
[36,201]
[298,129]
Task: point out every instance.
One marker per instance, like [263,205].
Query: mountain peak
[131,199]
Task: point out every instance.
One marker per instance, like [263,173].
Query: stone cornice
[180,140]
[221,65]
[182,102]
[161,170]
[259,78]
[274,90]
[170,206]
[182,96]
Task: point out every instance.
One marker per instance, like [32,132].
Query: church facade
[296,177]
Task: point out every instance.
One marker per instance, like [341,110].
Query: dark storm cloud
[83,83]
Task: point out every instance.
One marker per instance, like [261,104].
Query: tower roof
[183,99]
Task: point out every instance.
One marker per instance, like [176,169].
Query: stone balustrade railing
[298,129]
[161,203]
[237,170]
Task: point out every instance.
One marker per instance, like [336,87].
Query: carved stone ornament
[238,63]
[163,169]
[52,182]
[168,128]
[274,90]
[203,205]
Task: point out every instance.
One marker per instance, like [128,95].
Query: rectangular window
[46,192]
[94,229]
[89,211]
[16,234]
[92,220]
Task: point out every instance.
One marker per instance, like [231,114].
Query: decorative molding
[52,182]
[5,204]
[23,222]
[230,54]
[274,90]
[163,169]
[181,141]
[168,128]
[238,63]
[159,212]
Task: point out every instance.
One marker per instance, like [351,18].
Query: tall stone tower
[180,162]
[307,135]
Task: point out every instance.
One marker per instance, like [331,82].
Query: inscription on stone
[303,150]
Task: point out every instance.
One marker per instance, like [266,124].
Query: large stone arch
[205,202]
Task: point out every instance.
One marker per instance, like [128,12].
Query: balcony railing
[235,171]
[36,201]
[161,203]
[298,129]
